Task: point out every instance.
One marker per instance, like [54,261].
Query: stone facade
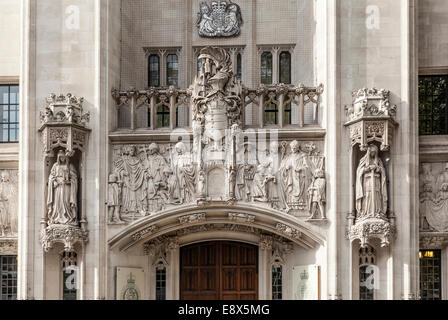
[104,186]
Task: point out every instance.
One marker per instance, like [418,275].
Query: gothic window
[366,273]
[433,104]
[266,68]
[285,67]
[163,116]
[199,66]
[172,70]
[8,277]
[287,113]
[9,108]
[154,70]
[271,114]
[161,282]
[69,275]
[430,275]
[239,67]
[277,285]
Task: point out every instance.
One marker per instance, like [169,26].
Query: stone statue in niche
[293,172]
[317,194]
[426,193]
[114,199]
[371,187]
[8,203]
[62,198]
[132,173]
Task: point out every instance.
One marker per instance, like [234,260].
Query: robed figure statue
[371,187]
[62,202]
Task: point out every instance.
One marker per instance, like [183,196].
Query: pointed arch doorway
[219,270]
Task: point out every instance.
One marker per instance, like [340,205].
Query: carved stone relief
[219,165]
[434,197]
[8,203]
[222,18]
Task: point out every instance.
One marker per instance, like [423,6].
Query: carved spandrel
[8,203]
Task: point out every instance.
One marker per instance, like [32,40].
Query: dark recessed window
[154,71]
[271,114]
[8,277]
[285,67]
[161,283]
[172,70]
[266,68]
[163,116]
[433,100]
[277,284]
[239,67]
[287,113]
[69,275]
[9,108]
[367,273]
[430,275]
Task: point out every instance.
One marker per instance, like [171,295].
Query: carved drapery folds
[371,126]
[64,136]
[433,205]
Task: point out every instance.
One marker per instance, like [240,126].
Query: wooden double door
[219,270]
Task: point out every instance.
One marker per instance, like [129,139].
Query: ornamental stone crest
[220,18]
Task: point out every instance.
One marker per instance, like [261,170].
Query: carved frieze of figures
[147,179]
[222,18]
[434,197]
[8,203]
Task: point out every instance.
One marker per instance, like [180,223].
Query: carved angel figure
[62,204]
[371,188]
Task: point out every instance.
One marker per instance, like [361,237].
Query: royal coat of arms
[220,19]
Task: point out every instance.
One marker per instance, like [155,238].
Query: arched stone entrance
[219,270]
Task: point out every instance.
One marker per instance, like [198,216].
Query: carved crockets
[371,127]
[64,137]
[434,197]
